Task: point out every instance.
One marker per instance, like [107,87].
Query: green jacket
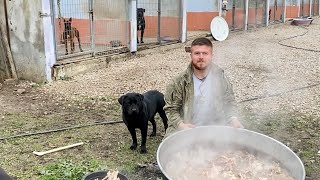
[179,99]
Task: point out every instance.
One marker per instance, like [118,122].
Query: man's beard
[200,67]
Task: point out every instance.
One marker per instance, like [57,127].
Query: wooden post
[8,54]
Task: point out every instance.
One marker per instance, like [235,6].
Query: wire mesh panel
[235,15]
[111,26]
[276,11]
[170,21]
[149,33]
[305,8]
[72,27]
[292,9]
[315,7]
[256,13]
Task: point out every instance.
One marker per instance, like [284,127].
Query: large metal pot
[230,138]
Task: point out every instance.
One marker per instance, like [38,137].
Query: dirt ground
[277,89]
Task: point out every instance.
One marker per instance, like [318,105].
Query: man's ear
[120,100]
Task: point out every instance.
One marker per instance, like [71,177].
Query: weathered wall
[26,39]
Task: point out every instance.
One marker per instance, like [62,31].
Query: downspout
[7,24]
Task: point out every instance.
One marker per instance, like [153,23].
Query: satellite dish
[219,28]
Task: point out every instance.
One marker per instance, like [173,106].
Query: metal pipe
[184,21]
[284,11]
[53,16]
[267,12]
[91,27]
[310,8]
[159,23]
[246,15]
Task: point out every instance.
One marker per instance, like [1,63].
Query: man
[201,95]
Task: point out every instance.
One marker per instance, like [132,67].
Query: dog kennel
[276,11]
[256,13]
[162,21]
[102,25]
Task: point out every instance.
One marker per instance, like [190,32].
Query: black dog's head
[140,13]
[67,24]
[132,103]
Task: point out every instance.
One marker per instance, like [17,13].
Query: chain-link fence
[315,7]
[305,8]
[256,13]
[235,14]
[276,10]
[90,27]
[162,21]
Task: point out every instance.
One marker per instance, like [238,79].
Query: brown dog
[69,34]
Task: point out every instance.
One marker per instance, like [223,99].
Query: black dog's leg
[134,138]
[144,132]
[164,118]
[142,32]
[154,127]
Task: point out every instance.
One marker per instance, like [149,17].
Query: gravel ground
[255,62]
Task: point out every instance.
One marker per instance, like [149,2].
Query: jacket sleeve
[173,107]
[229,103]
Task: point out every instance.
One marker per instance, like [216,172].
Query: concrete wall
[27,40]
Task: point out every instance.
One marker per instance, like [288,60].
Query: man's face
[201,57]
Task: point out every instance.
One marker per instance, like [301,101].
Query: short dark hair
[201,41]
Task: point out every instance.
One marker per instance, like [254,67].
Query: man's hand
[234,122]
[185,126]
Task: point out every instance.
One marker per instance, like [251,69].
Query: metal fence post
[159,23]
[246,15]
[91,27]
[183,28]
[284,11]
[267,12]
[133,28]
[310,8]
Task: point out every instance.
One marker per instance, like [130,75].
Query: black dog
[138,109]
[141,23]
[69,34]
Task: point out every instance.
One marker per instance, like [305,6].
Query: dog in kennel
[70,33]
[141,23]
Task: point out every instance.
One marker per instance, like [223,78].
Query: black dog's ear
[120,100]
[144,10]
[70,19]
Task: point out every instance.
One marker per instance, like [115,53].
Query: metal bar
[233,13]
[53,15]
[184,21]
[159,22]
[246,15]
[133,29]
[310,6]
[90,2]
[284,11]
[267,12]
